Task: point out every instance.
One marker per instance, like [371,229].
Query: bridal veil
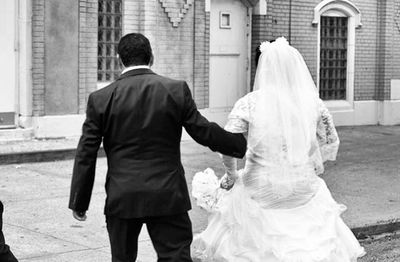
[282,129]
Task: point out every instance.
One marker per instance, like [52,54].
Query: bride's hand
[227,182]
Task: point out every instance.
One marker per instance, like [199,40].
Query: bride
[276,209]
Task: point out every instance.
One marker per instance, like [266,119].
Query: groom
[139,118]
[5,253]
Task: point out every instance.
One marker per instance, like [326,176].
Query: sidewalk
[39,227]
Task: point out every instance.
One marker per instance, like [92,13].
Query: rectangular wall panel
[61,57]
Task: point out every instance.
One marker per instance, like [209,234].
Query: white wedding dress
[278,209]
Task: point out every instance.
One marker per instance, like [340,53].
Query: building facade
[55,53]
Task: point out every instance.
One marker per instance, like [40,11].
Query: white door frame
[247,54]
[24,64]
[249,37]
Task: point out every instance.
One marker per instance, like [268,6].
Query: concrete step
[15,134]
[38,150]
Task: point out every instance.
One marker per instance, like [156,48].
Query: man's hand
[80,216]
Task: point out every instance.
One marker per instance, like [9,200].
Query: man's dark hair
[135,49]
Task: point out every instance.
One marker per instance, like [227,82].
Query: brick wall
[384,59]
[174,48]
[275,24]
[181,46]
[87,50]
[261,30]
[366,68]
[304,36]
[201,54]
[38,86]
[375,55]
[179,35]
[396,40]
[132,16]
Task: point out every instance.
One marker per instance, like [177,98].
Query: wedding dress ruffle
[240,230]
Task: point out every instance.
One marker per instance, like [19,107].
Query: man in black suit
[5,253]
[140,117]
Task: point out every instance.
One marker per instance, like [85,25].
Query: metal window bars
[333,58]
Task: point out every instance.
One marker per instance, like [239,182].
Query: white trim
[58,126]
[334,13]
[389,112]
[221,20]
[370,112]
[249,37]
[395,89]
[25,63]
[339,105]
[260,8]
[207,6]
[362,113]
[340,8]
[17,58]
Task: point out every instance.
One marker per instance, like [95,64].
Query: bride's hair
[258,54]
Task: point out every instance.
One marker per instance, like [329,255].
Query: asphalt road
[386,249]
[39,227]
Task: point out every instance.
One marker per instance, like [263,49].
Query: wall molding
[174,13]
[342,6]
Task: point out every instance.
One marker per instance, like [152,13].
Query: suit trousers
[171,237]
[5,253]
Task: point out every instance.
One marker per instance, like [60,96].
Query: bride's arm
[327,136]
[327,143]
[238,122]
[231,174]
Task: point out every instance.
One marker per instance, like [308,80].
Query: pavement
[36,175]
[382,249]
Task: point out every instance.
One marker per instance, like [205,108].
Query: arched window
[336,21]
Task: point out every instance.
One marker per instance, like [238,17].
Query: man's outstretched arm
[85,162]
[208,133]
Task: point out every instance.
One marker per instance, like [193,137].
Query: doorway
[8,63]
[229,52]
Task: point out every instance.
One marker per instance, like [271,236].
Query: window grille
[109,33]
[333,58]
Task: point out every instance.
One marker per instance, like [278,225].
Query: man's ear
[120,62]
[151,60]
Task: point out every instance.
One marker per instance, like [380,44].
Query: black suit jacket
[140,117]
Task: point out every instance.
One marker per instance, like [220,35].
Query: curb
[380,228]
[41,156]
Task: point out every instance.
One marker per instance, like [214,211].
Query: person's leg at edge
[5,254]
[123,234]
[171,237]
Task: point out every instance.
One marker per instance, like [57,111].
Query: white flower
[264,45]
[281,40]
[205,187]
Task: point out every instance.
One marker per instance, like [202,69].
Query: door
[229,51]
[8,61]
